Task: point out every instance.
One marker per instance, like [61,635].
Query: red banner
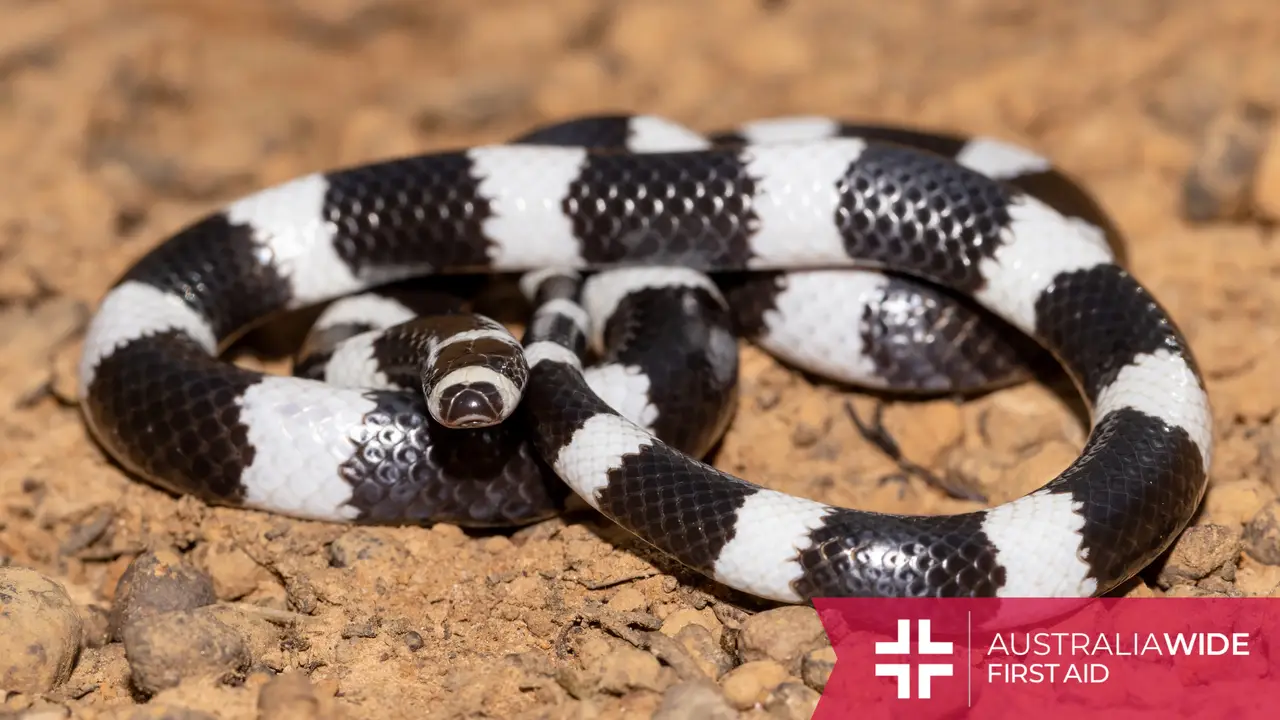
[1151,658]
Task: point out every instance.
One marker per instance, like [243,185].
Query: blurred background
[123,116]
[123,120]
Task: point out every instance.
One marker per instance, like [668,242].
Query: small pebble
[628,599]
[804,435]
[783,635]
[702,647]
[1218,584]
[683,617]
[628,668]
[97,625]
[87,532]
[496,545]
[1262,535]
[768,398]
[40,632]
[1219,185]
[792,701]
[610,667]
[729,616]
[234,574]
[539,532]
[289,696]
[155,583]
[1199,551]
[1194,591]
[689,616]
[302,595]
[751,682]
[817,666]
[695,700]
[413,640]
[165,649]
[528,591]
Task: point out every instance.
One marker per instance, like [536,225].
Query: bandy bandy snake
[861,253]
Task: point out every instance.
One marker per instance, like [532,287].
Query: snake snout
[477,398]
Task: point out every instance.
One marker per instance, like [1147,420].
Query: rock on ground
[40,632]
[165,649]
[156,583]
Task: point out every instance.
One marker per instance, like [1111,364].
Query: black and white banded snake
[794,218]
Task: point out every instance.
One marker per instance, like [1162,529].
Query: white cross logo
[902,671]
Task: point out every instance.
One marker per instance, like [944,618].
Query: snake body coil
[862,253]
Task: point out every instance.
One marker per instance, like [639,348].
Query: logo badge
[925,671]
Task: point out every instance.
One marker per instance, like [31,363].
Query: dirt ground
[122,121]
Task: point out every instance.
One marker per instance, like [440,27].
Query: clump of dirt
[125,120]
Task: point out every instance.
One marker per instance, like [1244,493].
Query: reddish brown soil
[122,121]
